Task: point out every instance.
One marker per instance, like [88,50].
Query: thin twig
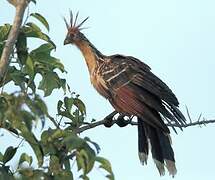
[27,16]
[8,48]
[188,114]
[202,122]
[20,142]
[134,123]
[53,121]
[58,124]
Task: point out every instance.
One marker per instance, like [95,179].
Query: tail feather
[178,114]
[161,149]
[174,114]
[143,145]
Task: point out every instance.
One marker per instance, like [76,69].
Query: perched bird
[133,90]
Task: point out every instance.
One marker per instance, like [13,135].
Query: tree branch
[107,120]
[110,120]
[8,48]
[202,122]
[199,123]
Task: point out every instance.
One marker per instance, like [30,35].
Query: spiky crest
[72,24]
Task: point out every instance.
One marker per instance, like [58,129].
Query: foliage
[29,73]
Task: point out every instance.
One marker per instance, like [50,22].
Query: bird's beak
[66,41]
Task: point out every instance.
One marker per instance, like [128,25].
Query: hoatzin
[133,90]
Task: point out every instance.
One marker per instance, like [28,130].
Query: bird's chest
[99,84]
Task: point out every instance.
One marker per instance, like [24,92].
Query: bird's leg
[109,119]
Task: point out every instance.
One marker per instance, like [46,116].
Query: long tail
[160,144]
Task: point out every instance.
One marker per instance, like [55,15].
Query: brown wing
[135,90]
[139,73]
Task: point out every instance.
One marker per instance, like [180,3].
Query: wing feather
[139,73]
[135,90]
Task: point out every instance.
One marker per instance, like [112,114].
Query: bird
[133,90]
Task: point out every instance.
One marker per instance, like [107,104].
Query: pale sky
[177,39]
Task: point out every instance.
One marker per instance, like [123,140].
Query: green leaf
[73,142]
[59,105]
[18,77]
[44,60]
[9,153]
[51,140]
[49,82]
[21,47]
[40,18]
[49,148]
[85,159]
[63,84]
[44,48]
[11,70]
[3,106]
[64,174]
[91,157]
[1,157]
[52,134]
[54,164]
[41,106]
[78,118]
[34,26]
[57,133]
[80,105]
[67,164]
[29,68]
[27,117]
[94,143]
[32,140]
[25,158]
[5,174]
[68,103]
[82,160]
[37,106]
[15,75]
[26,173]
[45,136]
[105,164]
[67,115]
[33,31]
[4,31]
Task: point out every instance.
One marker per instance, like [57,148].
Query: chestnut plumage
[133,90]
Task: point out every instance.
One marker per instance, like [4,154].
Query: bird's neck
[91,54]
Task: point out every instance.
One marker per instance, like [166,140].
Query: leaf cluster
[22,109]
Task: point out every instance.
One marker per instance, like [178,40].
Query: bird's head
[74,34]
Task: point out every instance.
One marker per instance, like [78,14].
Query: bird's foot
[109,119]
[121,121]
